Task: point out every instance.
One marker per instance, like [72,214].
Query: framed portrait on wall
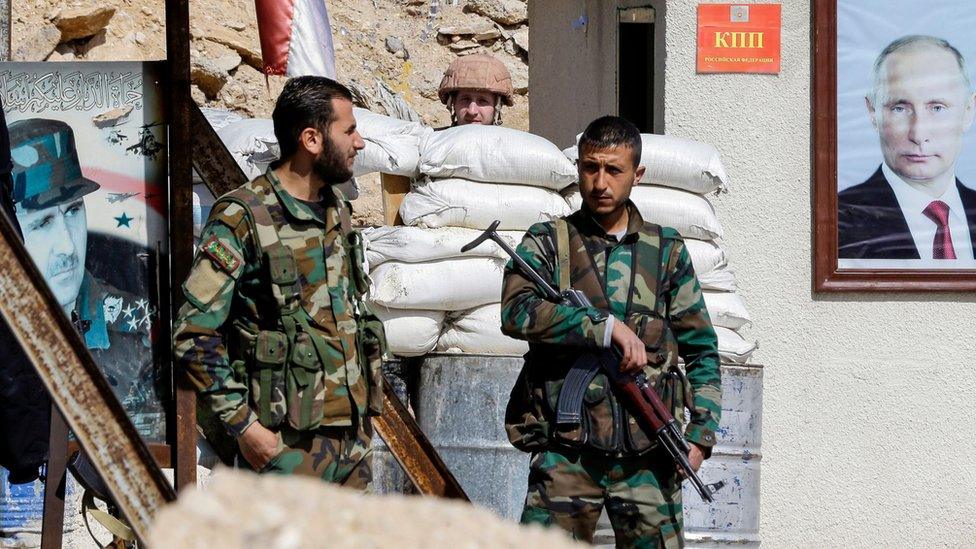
[894,146]
[89,173]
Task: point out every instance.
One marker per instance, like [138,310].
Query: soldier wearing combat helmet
[474,88]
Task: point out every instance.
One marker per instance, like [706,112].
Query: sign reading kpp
[739,38]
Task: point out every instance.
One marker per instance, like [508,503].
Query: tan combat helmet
[479,72]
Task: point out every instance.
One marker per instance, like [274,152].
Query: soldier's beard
[332,166]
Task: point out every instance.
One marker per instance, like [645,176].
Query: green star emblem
[123,220]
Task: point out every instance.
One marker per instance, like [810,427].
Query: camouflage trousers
[340,455]
[642,496]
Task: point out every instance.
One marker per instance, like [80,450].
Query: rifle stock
[634,391]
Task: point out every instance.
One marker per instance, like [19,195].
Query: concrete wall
[869,409]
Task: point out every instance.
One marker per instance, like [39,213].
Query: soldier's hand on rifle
[696,456]
[258,444]
[631,348]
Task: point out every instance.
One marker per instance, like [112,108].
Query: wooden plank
[394,188]
[52,525]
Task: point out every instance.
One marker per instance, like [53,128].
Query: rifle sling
[570,402]
[569,406]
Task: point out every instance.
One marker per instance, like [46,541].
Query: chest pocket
[283,273]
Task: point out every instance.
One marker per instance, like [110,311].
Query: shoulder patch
[221,255]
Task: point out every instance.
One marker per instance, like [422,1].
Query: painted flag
[296,37]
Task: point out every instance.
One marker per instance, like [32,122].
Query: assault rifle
[633,390]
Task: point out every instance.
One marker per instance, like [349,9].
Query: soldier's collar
[292,205]
[590,226]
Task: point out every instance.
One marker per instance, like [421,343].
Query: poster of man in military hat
[89,174]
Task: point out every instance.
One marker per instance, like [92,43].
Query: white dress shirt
[913,203]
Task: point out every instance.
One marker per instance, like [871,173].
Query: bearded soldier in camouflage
[646,302]
[269,331]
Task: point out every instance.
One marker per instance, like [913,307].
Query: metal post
[180,223]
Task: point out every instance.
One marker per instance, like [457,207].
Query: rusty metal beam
[413,450]
[183,434]
[211,158]
[77,386]
[407,442]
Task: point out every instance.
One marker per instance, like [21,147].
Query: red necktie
[938,212]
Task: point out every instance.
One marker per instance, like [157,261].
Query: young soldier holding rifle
[590,444]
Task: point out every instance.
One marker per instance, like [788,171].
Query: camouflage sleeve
[209,289]
[697,345]
[528,315]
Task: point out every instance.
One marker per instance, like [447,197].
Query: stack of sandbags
[392,145]
[419,277]
[678,175]
[471,176]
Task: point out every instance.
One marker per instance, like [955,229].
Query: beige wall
[870,400]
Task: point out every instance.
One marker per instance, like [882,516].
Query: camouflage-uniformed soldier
[269,330]
[646,302]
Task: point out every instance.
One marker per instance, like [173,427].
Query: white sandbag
[392,145]
[494,154]
[690,214]
[417,245]
[252,143]
[394,155]
[371,124]
[478,331]
[218,118]
[410,333]
[727,310]
[706,255]
[732,347]
[447,285]
[677,162]
[462,203]
[721,279]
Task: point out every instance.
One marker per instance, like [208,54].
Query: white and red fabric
[296,37]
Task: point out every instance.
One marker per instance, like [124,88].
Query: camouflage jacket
[268,331]
[646,280]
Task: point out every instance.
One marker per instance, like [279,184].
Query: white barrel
[733,518]
[461,402]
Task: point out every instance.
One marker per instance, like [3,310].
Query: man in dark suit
[913,207]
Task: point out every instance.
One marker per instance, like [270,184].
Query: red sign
[739,38]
